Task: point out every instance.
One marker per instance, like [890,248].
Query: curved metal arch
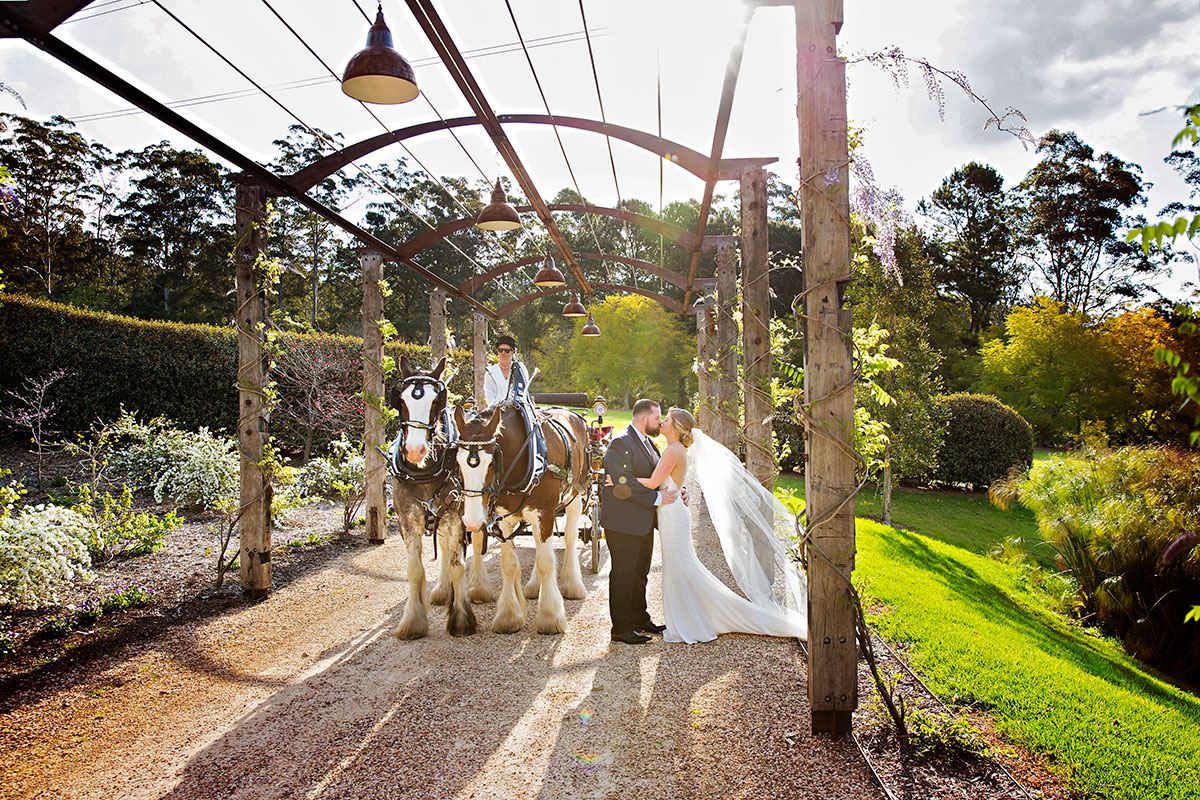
[666,302]
[684,238]
[694,162]
[469,286]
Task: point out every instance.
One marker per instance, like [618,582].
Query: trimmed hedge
[984,440]
[186,373]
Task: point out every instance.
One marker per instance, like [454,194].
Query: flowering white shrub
[41,552]
[196,469]
[340,476]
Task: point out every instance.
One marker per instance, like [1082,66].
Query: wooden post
[437,325]
[254,518]
[756,335]
[828,368]
[479,356]
[704,354]
[727,422]
[373,425]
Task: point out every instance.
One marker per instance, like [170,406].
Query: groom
[628,513]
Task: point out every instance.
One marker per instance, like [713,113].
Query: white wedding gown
[697,606]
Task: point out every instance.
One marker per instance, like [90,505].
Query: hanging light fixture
[378,73]
[574,308]
[590,328]
[498,215]
[549,277]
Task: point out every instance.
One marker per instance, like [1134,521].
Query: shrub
[195,469]
[40,552]
[187,373]
[984,441]
[119,530]
[342,476]
[1114,516]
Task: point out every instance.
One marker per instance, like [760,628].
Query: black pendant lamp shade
[590,328]
[574,308]
[498,215]
[549,277]
[378,73]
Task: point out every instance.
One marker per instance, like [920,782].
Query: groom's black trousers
[627,577]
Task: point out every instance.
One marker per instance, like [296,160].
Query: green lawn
[983,633]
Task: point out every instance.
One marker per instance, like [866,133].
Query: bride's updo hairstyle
[684,422]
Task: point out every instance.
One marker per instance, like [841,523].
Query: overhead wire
[608,139]
[315,132]
[454,134]
[570,170]
[451,195]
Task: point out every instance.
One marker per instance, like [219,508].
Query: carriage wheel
[595,535]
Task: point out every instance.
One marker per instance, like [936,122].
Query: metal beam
[672,305]
[37,18]
[274,183]
[439,37]
[687,158]
[718,144]
[501,269]
[685,239]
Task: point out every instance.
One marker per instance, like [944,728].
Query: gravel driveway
[306,695]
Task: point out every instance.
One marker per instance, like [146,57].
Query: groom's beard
[653,431]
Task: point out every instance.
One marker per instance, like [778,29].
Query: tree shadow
[1068,644]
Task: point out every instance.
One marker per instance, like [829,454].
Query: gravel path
[306,695]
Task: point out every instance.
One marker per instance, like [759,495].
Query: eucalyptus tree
[1075,206]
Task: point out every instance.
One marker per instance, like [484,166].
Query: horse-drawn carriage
[460,477]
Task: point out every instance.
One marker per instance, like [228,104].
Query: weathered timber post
[479,357]
[756,333]
[727,422]
[254,511]
[437,325]
[373,424]
[706,343]
[828,368]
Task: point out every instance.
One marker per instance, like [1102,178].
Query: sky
[1112,71]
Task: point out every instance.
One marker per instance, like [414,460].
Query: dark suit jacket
[627,506]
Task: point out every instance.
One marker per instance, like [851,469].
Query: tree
[1073,204]
[972,241]
[51,167]
[176,231]
[643,351]
[1055,368]
[300,237]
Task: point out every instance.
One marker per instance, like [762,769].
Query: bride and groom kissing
[643,491]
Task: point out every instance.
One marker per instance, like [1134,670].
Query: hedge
[186,373]
[984,440]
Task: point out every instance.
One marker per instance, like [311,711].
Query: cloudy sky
[1099,68]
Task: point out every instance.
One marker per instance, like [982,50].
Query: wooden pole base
[835,723]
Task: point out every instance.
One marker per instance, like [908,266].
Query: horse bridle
[419,384]
[473,449]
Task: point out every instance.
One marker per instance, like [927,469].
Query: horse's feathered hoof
[411,630]
[532,590]
[481,593]
[440,595]
[572,590]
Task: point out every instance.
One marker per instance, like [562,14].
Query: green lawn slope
[983,632]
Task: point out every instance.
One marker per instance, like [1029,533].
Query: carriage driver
[508,381]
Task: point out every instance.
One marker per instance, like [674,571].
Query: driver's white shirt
[495,385]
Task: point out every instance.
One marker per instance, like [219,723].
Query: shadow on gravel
[46,667]
[382,718]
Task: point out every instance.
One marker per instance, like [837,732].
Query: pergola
[733,414]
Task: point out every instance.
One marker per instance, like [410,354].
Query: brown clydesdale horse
[489,469]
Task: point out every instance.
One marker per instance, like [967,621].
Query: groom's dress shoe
[651,627]
[631,637]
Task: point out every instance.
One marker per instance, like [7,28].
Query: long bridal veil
[753,526]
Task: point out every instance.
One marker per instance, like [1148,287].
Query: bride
[753,527]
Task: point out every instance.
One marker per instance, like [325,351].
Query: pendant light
[590,328]
[574,308]
[378,73]
[549,277]
[498,215]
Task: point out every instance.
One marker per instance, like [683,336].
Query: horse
[422,497]
[489,450]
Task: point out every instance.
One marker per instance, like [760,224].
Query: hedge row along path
[307,695]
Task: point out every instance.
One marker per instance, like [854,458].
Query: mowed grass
[981,632]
